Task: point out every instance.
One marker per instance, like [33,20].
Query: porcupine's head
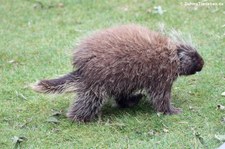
[190,60]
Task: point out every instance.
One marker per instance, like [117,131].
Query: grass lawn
[37,40]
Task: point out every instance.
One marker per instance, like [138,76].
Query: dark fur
[120,61]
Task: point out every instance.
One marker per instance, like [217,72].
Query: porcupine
[119,61]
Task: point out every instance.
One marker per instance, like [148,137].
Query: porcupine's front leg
[161,100]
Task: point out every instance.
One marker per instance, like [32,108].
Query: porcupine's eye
[185,62]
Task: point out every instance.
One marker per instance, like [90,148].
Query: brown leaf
[60,5]
[151,132]
[53,120]
[18,140]
[220,137]
[220,107]
[223,94]
[165,130]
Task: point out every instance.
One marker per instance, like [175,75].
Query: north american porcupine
[119,61]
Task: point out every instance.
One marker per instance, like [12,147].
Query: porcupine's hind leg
[125,101]
[86,107]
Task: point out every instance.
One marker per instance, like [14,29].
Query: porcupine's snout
[198,63]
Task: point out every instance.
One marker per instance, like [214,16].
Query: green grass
[37,40]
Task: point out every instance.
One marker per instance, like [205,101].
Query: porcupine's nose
[200,65]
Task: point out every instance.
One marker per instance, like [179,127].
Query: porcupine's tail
[62,84]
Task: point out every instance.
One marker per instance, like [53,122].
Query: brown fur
[119,61]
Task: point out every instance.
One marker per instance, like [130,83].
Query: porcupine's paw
[77,118]
[172,111]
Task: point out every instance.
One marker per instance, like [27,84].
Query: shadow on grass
[143,107]
[110,112]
